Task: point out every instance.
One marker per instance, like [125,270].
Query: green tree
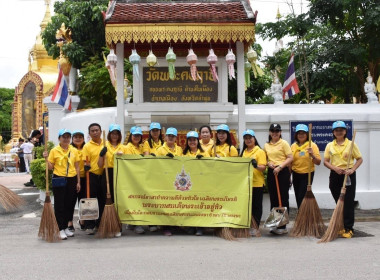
[6,100]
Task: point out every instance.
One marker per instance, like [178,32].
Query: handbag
[60,181]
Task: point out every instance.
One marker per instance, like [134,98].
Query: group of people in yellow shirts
[71,161]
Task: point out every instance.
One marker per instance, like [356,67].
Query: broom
[336,222]
[309,219]
[9,200]
[49,230]
[109,223]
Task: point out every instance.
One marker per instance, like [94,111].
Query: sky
[20,20]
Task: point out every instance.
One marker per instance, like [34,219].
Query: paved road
[154,256]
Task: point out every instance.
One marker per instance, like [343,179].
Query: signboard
[321,131]
[157,87]
[183,191]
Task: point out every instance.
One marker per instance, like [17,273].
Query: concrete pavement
[154,256]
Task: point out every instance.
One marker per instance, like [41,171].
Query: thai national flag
[290,85]
[61,92]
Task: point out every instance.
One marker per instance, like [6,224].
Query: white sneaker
[118,234]
[69,233]
[279,231]
[139,229]
[62,234]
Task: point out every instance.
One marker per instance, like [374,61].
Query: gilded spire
[47,17]
[278,16]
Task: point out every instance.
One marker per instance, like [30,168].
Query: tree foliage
[6,100]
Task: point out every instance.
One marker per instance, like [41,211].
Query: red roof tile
[232,11]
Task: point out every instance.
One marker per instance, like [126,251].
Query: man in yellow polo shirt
[91,151]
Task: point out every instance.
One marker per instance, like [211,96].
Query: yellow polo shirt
[338,154]
[261,158]
[147,148]
[191,154]
[301,157]
[111,151]
[225,151]
[208,147]
[164,150]
[277,153]
[60,158]
[81,162]
[131,149]
[92,150]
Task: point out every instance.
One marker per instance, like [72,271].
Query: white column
[240,90]
[120,119]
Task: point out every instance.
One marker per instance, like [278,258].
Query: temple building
[36,84]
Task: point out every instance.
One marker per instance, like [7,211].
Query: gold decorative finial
[63,36]
[278,16]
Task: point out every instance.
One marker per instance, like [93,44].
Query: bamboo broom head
[9,200]
[49,230]
[225,233]
[110,223]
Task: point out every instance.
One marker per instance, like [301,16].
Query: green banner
[183,191]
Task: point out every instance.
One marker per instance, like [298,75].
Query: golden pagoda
[36,84]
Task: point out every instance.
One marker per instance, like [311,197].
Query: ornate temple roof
[142,21]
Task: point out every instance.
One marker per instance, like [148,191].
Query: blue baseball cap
[192,134]
[132,129]
[155,125]
[113,127]
[171,131]
[63,131]
[78,132]
[137,131]
[223,127]
[339,124]
[249,132]
[302,127]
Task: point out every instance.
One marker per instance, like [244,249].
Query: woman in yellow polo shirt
[170,149]
[134,144]
[302,155]
[335,159]
[251,149]
[207,143]
[154,140]
[224,147]
[63,160]
[279,157]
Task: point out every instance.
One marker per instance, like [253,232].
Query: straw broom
[309,219]
[9,200]
[109,223]
[336,222]
[49,230]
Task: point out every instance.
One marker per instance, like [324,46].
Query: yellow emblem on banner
[183,191]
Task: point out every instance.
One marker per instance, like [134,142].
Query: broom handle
[106,164]
[278,191]
[349,158]
[310,159]
[87,180]
[46,162]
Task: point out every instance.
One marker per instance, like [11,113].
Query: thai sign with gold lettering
[183,191]
[157,87]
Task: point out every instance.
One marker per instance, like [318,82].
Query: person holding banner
[207,143]
[170,149]
[64,161]
[335,159]
[301,158]
[279,157]
[154,140]
[134,144]
[251,149]
[78,143]
[224,147]
[91,151]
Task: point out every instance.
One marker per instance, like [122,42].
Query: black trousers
[300,185]
[257,204]
[22,167]
[335,185]
[63,200]
[80,195]
[284,184]
[96,192]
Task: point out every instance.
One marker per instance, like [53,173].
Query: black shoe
[71,228]
[28,184]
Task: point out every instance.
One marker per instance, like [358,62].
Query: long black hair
[245,146]
[187,148]
[150,139]
[228,140]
